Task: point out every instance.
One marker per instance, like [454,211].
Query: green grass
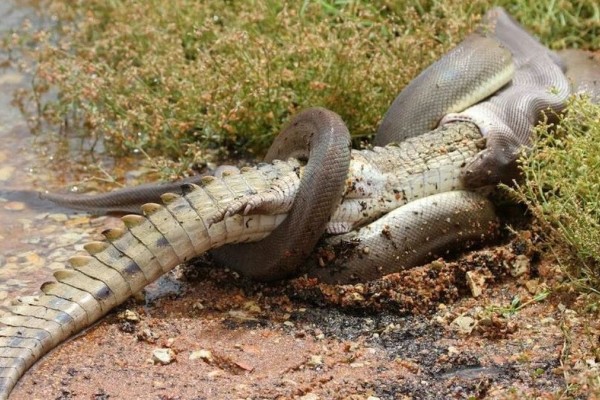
[186,76]
[562,189]
[184,80]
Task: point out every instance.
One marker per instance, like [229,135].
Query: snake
[497,78]
[503,81]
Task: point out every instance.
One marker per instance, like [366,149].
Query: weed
[562,189]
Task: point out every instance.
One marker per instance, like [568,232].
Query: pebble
[130,315]
[205,355]
[315,360]
[32,240]
[476,282]
[309,396]
[163,356]
[252,307]
[15,283]
[25,223]
[31,258]
[58,217]
[55,266]
[59,255]
[6,172]
[464,324]
[215,373]
[14,206]
[11,78]
[520,266]
[69,239]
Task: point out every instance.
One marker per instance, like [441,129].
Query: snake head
[497,163]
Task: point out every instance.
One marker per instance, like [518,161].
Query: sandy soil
[420,334]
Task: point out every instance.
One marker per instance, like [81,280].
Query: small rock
[252,307]
[163,356]
[158,385]
[55,266]
[315,361]
[31,258]
[204,355]
[146,335]
[532,286]
[215,373]
[244,366]
[68,239]
[476,282]
[41,216]
[6,172]
[548,321]
[463,324]
[57,217]
[241,315]
[520,266]
[14,206]
[356,297]
[309,396]
[129,315]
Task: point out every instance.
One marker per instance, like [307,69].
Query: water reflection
[35,236]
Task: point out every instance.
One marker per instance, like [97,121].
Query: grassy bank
[185,79]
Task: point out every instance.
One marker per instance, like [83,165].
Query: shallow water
[26,252]
[36,237]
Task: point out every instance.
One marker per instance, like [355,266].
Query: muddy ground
[483,326]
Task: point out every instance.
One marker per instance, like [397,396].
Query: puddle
[36,237]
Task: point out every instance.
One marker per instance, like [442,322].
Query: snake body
[248,206]
[539,87]
[445,88]
[472,71]
[321,137]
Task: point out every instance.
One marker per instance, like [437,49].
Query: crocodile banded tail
[131,258]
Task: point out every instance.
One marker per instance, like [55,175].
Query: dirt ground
[483,326]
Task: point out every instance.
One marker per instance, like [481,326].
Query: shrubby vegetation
[183,79]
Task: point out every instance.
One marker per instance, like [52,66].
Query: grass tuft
[562,189]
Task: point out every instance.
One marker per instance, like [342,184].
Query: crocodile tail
[97,282]
[127,260]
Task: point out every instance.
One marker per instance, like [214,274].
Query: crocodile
[213,214]
[419,179]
